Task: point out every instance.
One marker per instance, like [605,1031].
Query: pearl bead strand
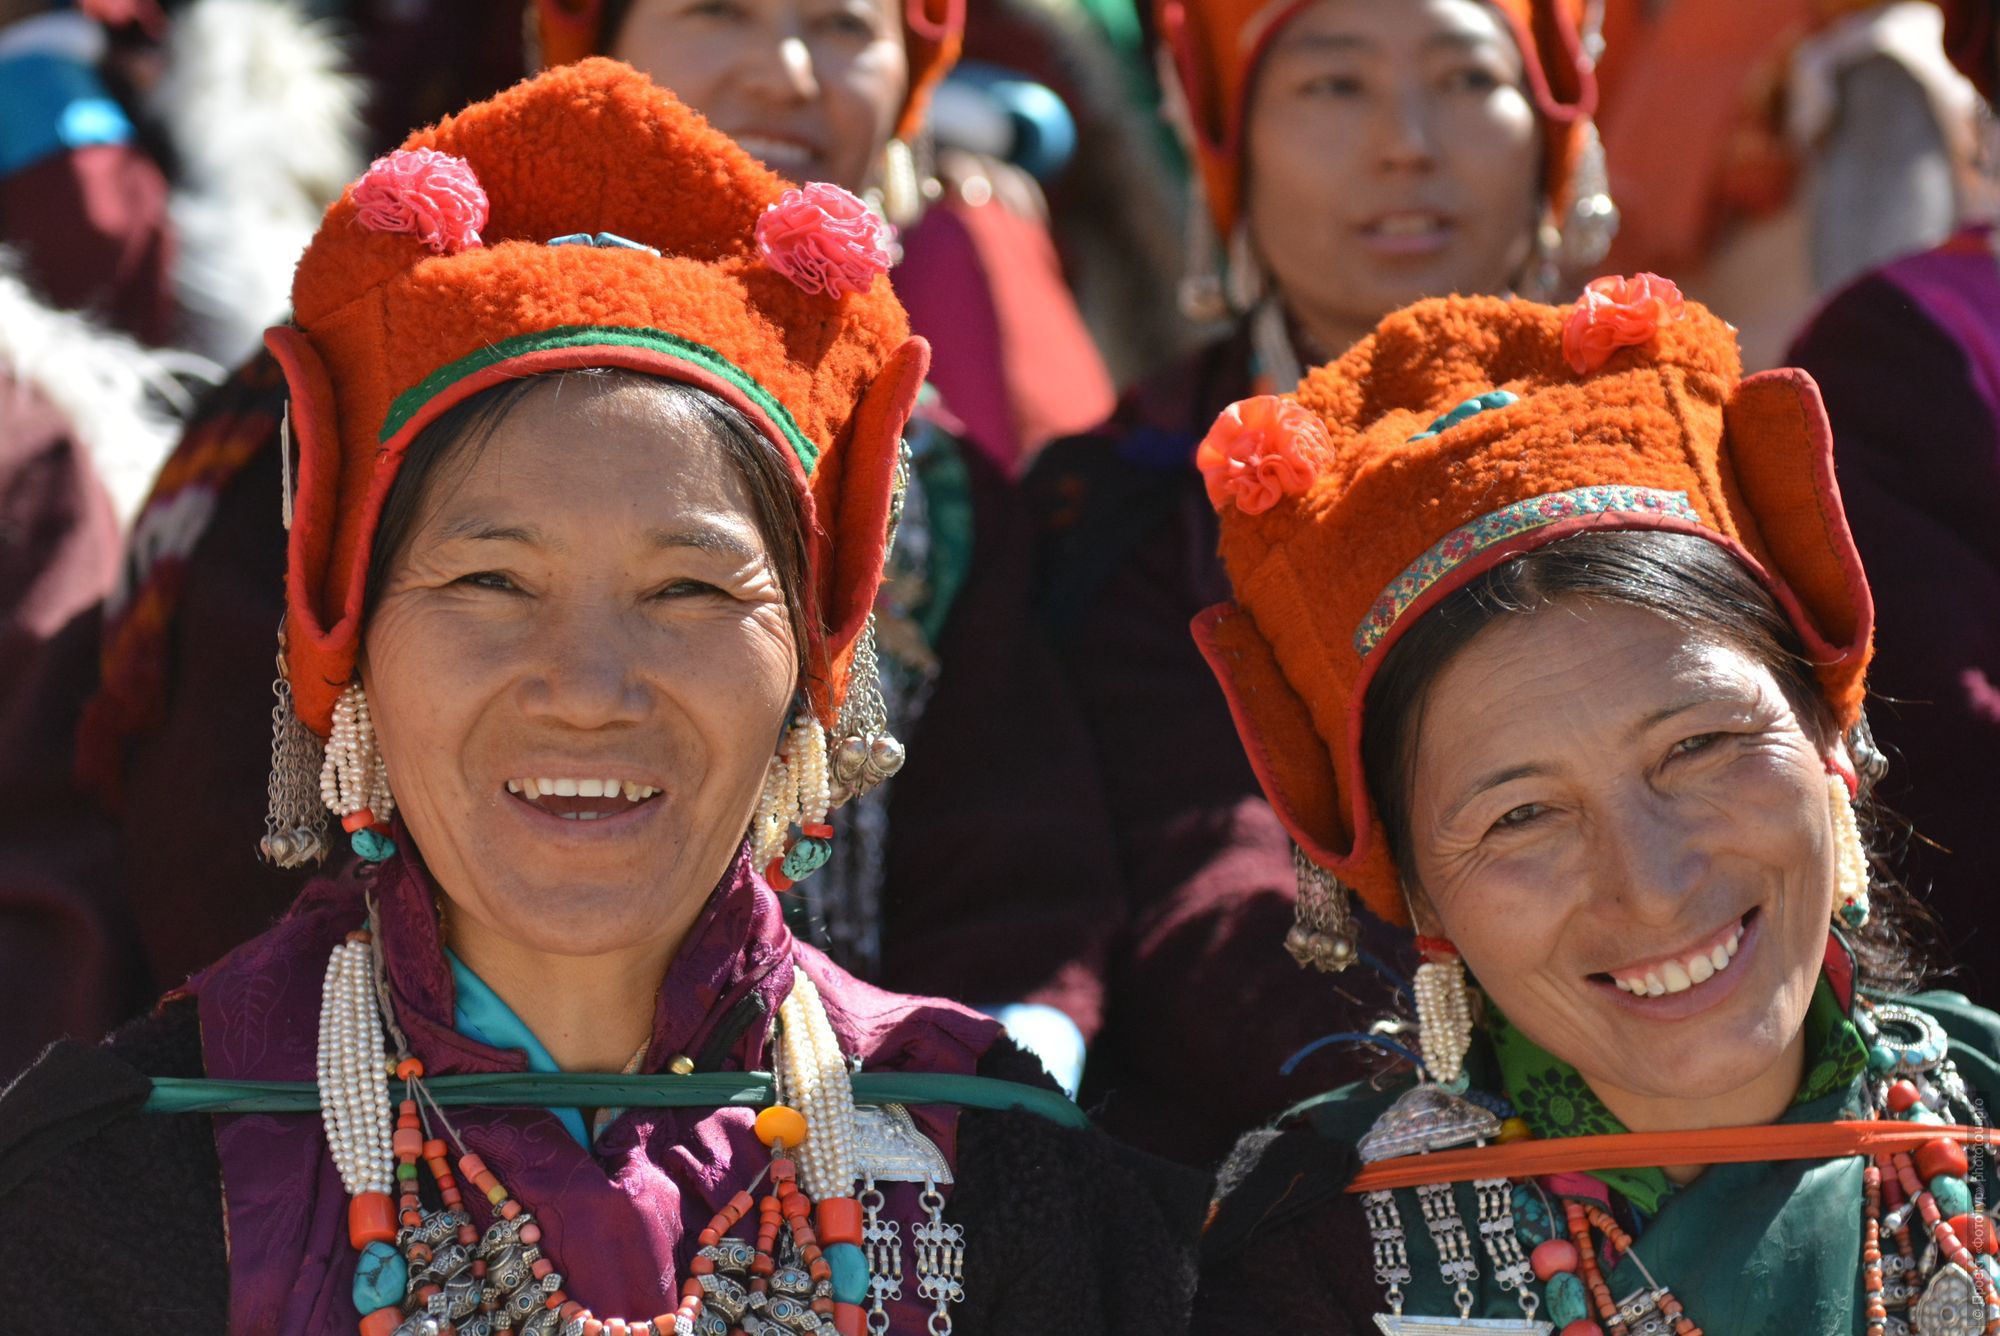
[815,1072]
[353,1071]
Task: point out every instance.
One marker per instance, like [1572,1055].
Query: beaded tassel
[1850,859]
[1444,1011]
[797,793]
[353,781]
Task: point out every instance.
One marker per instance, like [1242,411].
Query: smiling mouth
[1684,970]
[582,799]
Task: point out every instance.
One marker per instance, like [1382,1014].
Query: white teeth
[611,788]
[1720,957]
[513,786]
[562,788]
[1676,977]
[531,789]
[1735,942]
[588,788]
[1700,970]
[1654,988]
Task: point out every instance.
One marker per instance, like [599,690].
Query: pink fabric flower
[1616,313]
[825,240]
[432,196]
[1260,451]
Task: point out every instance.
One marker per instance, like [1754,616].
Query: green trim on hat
[411,401]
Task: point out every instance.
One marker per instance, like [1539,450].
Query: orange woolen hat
[1216,46]
[1465,431]
[675,254]
[933,35]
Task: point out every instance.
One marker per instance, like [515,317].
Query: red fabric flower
[825,240]
[432,196]
[1260,451]
[1616,313]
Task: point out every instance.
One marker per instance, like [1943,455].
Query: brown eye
[493,580]
[1700,742]
[1519,816]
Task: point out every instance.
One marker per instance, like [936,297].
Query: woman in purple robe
[590,500]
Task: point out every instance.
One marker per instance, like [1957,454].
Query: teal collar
[479,1014]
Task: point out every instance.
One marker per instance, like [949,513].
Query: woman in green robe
[1550,642]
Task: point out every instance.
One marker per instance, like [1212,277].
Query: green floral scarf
[1555,1101]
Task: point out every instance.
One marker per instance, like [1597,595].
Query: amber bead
[781,1124]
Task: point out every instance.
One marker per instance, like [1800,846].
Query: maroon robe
[1196,979]
[619,1218]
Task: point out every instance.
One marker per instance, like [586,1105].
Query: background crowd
[1114,221]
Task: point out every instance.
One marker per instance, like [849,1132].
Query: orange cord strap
[1647,1150]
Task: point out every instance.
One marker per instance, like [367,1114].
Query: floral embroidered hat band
[585,218]
[1465,431]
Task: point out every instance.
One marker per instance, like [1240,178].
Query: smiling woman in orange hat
[1357,155]
[1548,641]
[597,427]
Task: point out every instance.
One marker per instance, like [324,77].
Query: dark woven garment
[1065,1231]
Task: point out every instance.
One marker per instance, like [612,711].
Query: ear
[322,622]
[1781,452]
[852,498]
[1291,760]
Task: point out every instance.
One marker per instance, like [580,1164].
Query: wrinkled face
[1392,155]
[811,88]
[587,605]
[1601,796]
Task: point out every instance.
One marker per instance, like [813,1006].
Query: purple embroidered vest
[619,1219]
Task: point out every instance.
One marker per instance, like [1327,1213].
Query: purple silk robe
[619,1219]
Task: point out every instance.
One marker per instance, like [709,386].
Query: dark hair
[455,440]
[1686,579]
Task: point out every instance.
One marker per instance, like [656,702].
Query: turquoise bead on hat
[380,1278]
[850,1273]
[806,857]
[371,846]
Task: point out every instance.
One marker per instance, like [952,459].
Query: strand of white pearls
[1850,855]
[816,1078]
[352,776]
[353,1072]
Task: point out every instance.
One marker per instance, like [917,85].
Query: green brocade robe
[1748,1249]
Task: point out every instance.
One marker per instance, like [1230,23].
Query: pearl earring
[1444,1010]
[797,793]
[354,781]
[1850,858]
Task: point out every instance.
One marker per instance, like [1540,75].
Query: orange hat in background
[1463,432]
[933,34]
[585,218]
[1216,46]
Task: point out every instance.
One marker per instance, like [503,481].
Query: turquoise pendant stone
[1531,1218]
[1567,1301]
[1855,916]
[371,847]
[850,1273]
[1953,1196]
[380,1279]
[1881,1058]
[806,857]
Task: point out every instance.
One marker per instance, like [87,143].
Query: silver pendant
[889,1148]
[1427,1117]
[1395,1325]
[1951,1305]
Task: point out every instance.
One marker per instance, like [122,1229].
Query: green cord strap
[564,1090]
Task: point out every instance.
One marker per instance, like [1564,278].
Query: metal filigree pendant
[1951,1305]
[1397,1325]
[1426,1118]
[889,1148]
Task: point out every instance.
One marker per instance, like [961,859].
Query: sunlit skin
[589,596]
[1595,787]
[810,87]
[1392,154]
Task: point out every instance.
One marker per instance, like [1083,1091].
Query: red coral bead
[371,1218]
[850,1319]
[382,1322]
[1942,1156]
[1902,1097]
[839,1220]
[1552,1258]
[1583,1327]
[1975,1231]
